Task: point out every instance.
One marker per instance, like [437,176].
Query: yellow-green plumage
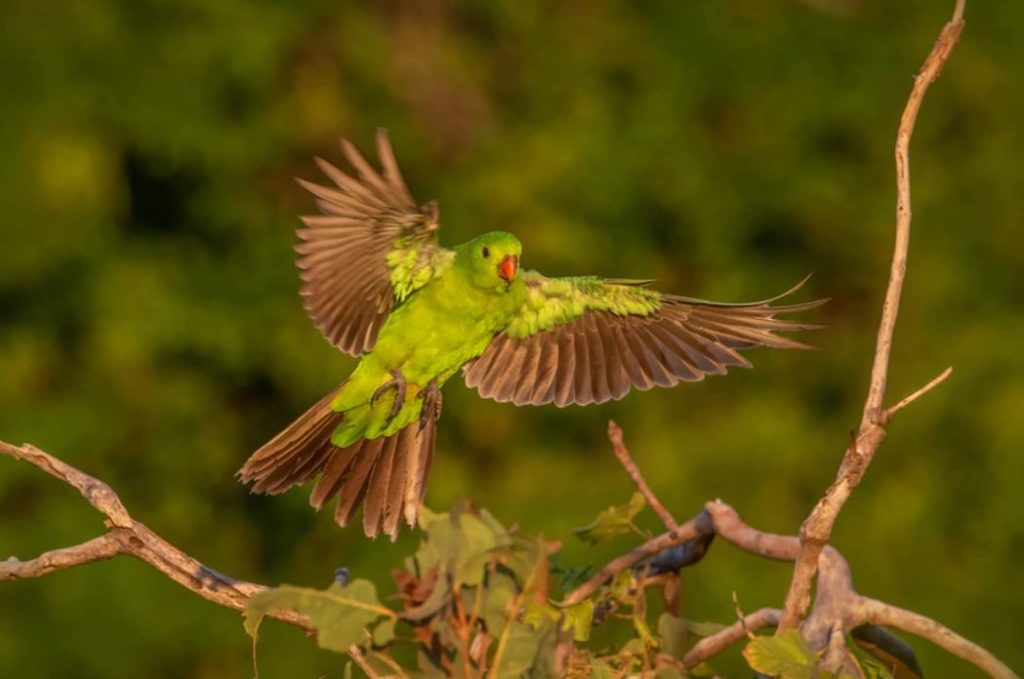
[448,321]
[378,285]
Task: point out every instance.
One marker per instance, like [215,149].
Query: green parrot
[379,286]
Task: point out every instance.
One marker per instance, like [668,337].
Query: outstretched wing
[371,247]
[590,340]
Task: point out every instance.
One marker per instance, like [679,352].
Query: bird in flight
[379,286]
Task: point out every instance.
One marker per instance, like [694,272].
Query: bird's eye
[486,252]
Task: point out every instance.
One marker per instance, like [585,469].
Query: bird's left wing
[589,340]
[371,248]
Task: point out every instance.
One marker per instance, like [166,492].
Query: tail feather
[377,485]
[332,476]
[295,455]
[390,472]
[355,479]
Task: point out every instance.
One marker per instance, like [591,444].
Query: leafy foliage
[480,601]
[341,615]
[787,656]
[614,521]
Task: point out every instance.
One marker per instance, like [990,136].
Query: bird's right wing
[589,340]
[371,247]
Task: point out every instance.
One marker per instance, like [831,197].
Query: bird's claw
[397,382]
[432,400]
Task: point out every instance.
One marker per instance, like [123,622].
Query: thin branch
[907,400]
[730,526]
[132,538]
[716,643]
[879,613]
[816,530]
[98,549]
[359,659]
[696,527]
[622,452]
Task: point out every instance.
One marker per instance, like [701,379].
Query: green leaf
[475,542]
[612,522]
[251,620]
[460,544]
[498,597]
[501,534]
[579,618]
[340,615]
[673,632]
[787,656]
[384,632]
[520,649]
[622,585]
[536,613]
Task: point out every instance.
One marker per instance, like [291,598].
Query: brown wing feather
[346,278]
[600,355]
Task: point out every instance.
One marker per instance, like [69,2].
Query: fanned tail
[295,455]
[389,472]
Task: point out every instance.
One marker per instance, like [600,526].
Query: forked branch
[127,536]
[817,528]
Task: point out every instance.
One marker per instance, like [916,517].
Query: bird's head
[491,260]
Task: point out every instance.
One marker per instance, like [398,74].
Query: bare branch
[907,400]
[132,538]
[698,526]
[622,452]
[97,493]
[879,613]
[731,527]
[719,641]
[816,530]
[359,659]
[97,549]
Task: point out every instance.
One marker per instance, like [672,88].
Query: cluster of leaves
[462,596]
[478,599]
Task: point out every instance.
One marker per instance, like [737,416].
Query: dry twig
[127,536]
[698,526]
[622,453]
[816,530]
[714,644]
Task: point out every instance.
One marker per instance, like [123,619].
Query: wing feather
[588,340]
[351,277]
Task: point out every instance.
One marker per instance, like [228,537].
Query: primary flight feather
[379,286]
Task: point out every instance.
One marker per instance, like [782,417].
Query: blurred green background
[151,332]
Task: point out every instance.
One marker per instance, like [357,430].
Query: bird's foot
[432,400]
[397,382]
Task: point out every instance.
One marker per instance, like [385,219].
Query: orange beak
[507,268]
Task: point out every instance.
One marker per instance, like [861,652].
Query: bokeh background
[151,332]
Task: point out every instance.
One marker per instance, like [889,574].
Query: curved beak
[508,266]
